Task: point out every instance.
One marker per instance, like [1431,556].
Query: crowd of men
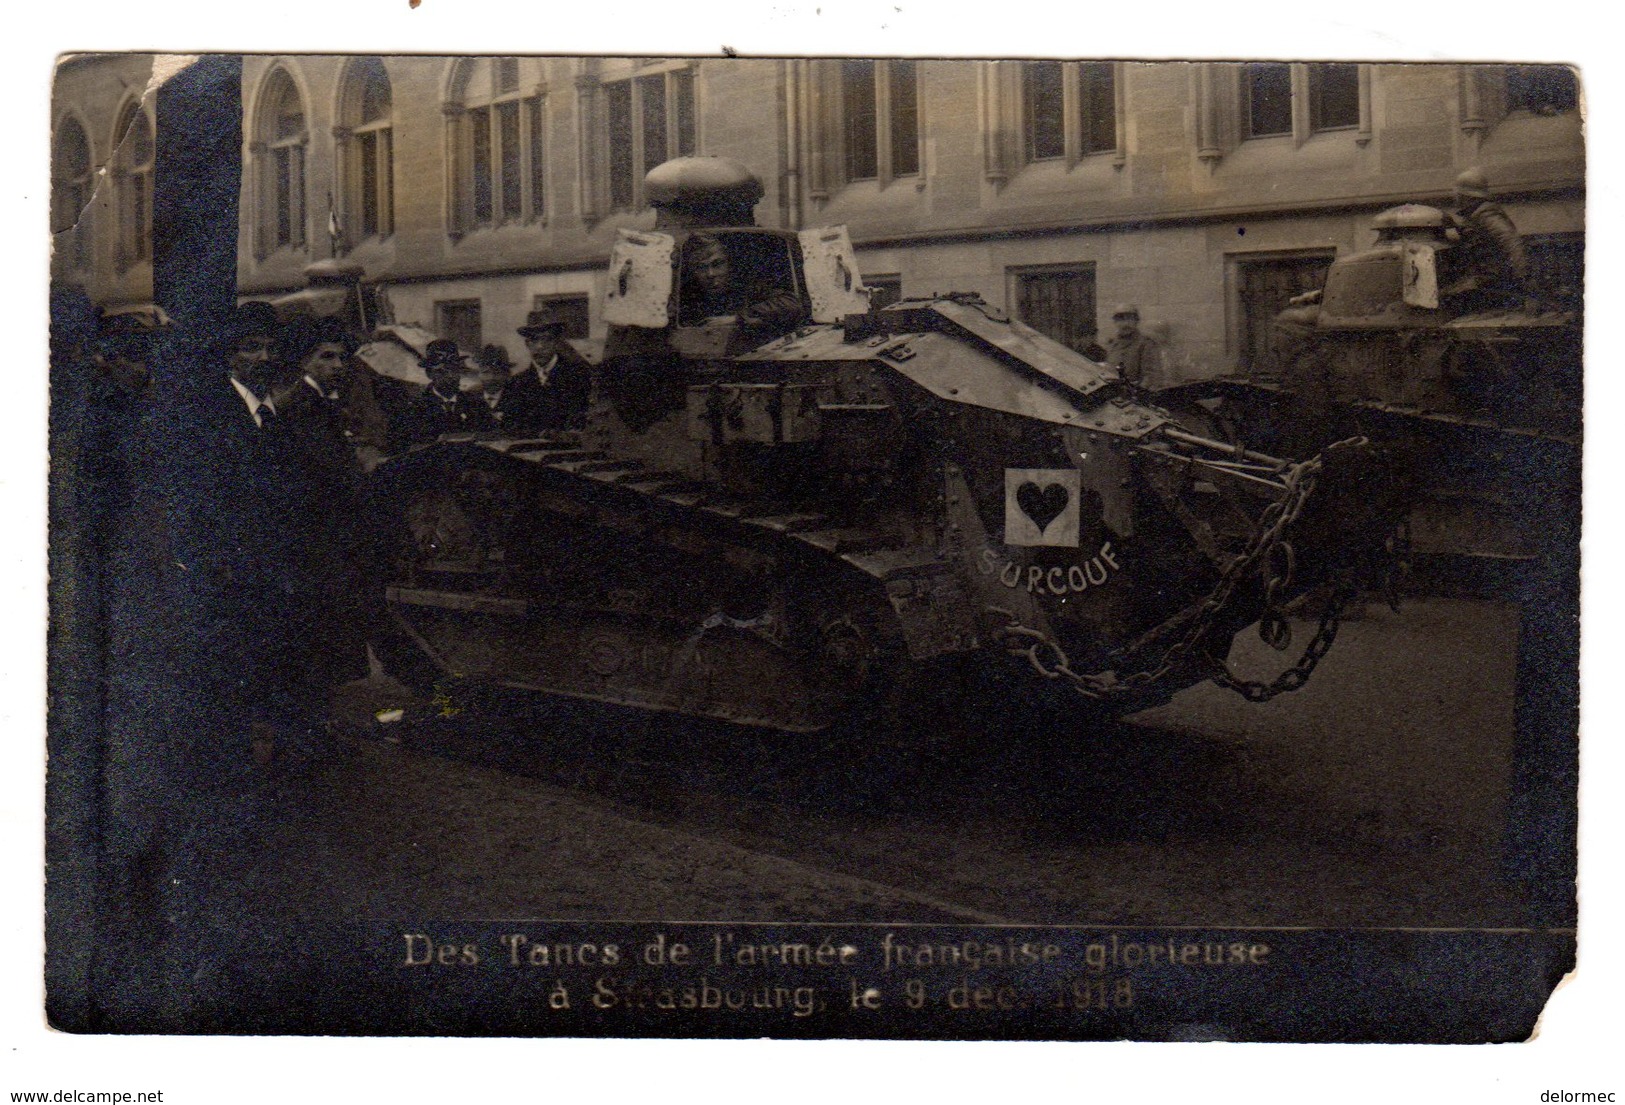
[265,508]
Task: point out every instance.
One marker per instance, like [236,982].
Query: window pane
[1334,96]
[70,165]
[858,104]
[367,150]
[538,162]
[905,118]
[572,309]
[138,139]
[1268,90]
[652,93]
[479,122]
[508,135]
[1044,106]
[282,160]
[507,75]
[682,91]
[1059,304]
[296,200]
[1097,106]
[618,98]
[386,204]
[459,320]
[140,218]
[1542,89]
[290,117]
[375,98]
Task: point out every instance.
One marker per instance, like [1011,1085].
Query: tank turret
[785,507]
[1399,347]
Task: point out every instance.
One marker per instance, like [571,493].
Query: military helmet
[1473,184]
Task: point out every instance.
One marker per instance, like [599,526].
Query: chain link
[1269,554]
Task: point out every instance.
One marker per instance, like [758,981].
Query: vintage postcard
[812,548]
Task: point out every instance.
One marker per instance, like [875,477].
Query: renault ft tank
[803,508]
[1477,381]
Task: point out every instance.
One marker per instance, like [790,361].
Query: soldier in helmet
[1492,269]
[1135,355]
[712,289]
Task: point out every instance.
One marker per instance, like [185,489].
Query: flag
[334,230]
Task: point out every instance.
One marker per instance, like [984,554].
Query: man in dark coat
[1493,267]
[1135,355]
[264,565]
[551,392]
[444,408]
[496,368]
[342,556]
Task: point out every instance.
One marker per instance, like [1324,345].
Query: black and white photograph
[818,546]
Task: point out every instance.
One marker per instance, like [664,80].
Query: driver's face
[710,271]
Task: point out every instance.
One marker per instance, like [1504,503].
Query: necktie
[267,414]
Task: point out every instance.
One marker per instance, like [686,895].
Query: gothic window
[497,142]
[1069,109]
[1334,96]
[1278,98]
[280,140]
[367,151]
[1267,95]
[132,178]
[880,119]
[651,118]
[1043,110]
[72,181]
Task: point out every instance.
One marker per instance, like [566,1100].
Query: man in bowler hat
[444,408]
[551,392]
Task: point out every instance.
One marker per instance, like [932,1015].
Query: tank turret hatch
[702,191]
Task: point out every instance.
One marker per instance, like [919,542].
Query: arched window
[367,151]
[495,137]
[72,181]
[280,149]
[132,179]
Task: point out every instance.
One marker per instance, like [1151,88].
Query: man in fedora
[1135,355]
[444,408]
[551,392]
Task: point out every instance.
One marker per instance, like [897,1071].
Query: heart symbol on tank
[1042,504]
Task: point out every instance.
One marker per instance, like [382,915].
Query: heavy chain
[1269,550]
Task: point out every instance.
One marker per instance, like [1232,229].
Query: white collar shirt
[543,371]
[252,401]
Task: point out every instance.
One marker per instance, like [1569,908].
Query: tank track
[896,619]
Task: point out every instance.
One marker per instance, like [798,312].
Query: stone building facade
[1207,193]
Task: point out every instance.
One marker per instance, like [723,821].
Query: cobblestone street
[1375,796]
